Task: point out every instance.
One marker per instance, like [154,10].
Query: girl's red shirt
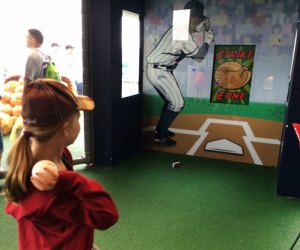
[65,217]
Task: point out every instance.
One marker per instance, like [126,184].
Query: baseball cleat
[169,133]
[165,141]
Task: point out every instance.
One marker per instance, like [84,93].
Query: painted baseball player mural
[164,59]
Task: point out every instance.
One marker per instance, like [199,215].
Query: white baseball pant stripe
[167,85]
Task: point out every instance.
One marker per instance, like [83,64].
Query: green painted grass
[268,111]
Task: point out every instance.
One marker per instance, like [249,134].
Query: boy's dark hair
[55,45]
[69,47]
[196,8]
[37,35]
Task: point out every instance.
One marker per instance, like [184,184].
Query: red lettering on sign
[231,95]
[243,96]
[235,54]
[228,95]
[220,95]
[220,54]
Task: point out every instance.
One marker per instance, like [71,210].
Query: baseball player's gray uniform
[160,65]
[164,59]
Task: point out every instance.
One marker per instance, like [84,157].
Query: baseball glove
[204,25]
[209,36]
[232,75]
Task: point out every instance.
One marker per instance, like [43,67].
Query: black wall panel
[289,162]
[117,122]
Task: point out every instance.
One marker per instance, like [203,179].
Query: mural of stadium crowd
[268,24]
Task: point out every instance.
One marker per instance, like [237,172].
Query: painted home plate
[224,146]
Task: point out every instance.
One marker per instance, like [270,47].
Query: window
[61,23]
[130,53]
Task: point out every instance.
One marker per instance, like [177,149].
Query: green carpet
[207,204]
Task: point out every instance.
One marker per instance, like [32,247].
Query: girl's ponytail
[18,173]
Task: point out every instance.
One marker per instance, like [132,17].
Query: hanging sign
[232,74]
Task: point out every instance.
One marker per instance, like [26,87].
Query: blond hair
[20,160]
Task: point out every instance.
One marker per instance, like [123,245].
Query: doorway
[61,25]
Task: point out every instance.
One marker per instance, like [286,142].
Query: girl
[55,210]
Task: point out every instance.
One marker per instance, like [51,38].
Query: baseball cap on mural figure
[196,8]
[47,102]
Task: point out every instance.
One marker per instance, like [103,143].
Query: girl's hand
[45,181]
